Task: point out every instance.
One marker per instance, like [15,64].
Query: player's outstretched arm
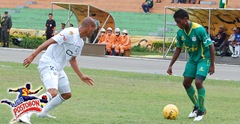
[84,78]
[42,47]
[36,91]
[175,56]
[212,55]
[11,90]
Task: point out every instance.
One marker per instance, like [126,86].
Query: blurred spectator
[206,28]
[118,42]
[126,43]
[109,40]
[234,45]
[147,5]
[192,1]
[102,36]
[182,1]
[0,28]
[50,26]
[220,37]
[176,0]
[96,29]
[70,25]
[63,25]
[6,26]
[223,47]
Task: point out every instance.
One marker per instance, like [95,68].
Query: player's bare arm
[212,67]
[42,47]
[175,56]
[36,91]
[84,78]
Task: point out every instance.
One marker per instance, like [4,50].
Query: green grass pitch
[123,98]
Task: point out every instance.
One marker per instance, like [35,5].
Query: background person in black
[97,22]
[6,26]
[50,27]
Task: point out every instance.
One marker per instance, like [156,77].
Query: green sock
[201,96]
[192,95]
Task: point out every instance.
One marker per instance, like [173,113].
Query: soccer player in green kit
[199,46]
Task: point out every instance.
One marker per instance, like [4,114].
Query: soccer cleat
[45,115]
[200,115]
[193,113]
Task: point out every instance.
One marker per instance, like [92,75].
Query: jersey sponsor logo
[24,103]
[194,39]
[70,32]
[64,37]
[201,69]
[182,38]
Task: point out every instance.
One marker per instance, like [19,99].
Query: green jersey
[196,42]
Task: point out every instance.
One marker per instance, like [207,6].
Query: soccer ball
[170,111]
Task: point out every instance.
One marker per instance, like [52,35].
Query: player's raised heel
[45,115]
[200,115]
[193,113]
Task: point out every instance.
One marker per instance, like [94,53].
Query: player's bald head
[88,21]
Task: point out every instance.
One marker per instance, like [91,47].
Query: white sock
[235,50]
[49,96]
[53,103]
[231,49]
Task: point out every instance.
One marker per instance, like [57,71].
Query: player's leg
[189,74]
[49,77]
[65,93]
[7,102]
[202,71]
[231,49]
[64,87]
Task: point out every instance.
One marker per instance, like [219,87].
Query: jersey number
[69,52]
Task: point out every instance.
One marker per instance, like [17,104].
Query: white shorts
[53,78]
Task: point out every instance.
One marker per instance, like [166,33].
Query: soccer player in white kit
[62,48]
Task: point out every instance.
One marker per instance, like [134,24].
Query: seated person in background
[126,43]
[223,47]
[147,5]
[118,42]
[235,44]
[109,40]
[220,37]
[70,25]
[102,36]
[62,27]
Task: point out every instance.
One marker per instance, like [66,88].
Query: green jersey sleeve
[204,37]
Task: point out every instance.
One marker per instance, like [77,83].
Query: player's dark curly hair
[181,14]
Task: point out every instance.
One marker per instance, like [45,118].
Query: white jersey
[69,44]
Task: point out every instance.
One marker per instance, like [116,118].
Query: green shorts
[200,68]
